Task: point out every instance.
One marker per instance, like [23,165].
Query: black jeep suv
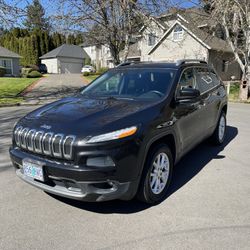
[121,136]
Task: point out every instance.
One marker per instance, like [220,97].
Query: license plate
[33,170]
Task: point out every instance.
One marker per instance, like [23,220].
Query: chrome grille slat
[50,144]
[48,136]
[16,135]
[38,141]
[23,137]
[30,139]
[59,153]
[65,154]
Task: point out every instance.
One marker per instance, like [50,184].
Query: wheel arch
[169,139]
[224,108]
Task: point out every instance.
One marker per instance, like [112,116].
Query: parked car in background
[42,68]
[121,136]
[88,68]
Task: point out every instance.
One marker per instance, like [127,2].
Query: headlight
[118,134]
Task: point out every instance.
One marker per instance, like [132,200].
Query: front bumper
[75,182]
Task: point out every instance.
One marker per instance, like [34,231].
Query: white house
[186,35]
[99,55]
[65,59]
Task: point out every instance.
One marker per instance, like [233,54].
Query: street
[208,206]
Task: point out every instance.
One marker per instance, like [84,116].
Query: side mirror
[188,94]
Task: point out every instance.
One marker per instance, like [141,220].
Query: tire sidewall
[149,196]
[220,141]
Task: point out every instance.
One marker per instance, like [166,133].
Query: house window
[178,33]
[151,39]
[6,63]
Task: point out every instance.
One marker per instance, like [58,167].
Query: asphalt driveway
[208,206]
[55,86]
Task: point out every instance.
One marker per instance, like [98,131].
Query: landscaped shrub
[86,73]
[34,67]
[25,71]
[2,71]
[34,74]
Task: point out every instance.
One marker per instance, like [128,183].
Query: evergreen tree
[36,17]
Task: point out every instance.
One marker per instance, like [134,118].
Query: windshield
[134,83]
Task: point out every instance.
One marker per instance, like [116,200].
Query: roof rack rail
[127,63]
[184,61]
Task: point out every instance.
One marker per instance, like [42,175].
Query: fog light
[103,161]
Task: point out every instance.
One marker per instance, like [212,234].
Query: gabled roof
[66,50]
[157,21]
[207,40]
[7,53]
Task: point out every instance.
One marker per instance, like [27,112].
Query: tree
[234,16]
[10,12]
[109,22]
[36,17]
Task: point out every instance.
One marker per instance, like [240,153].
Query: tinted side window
[204,80]
[216,80]
[187,80]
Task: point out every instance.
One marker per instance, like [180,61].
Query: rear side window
[215,79]
[204,79]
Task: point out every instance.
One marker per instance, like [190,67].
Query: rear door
[188,114]
[209,99]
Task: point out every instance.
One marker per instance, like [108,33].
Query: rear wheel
[156,175]
[219,134]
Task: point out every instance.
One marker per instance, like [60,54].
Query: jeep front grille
[50,144]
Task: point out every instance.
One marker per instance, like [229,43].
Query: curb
[30,87]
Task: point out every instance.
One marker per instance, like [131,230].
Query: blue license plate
[33,170]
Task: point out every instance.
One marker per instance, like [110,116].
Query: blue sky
[51,6]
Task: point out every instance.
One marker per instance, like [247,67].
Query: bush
[2,71]
[25,71]
[34,74]
[86,73]
[34,67]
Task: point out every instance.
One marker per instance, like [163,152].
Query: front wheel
[156,175]
[219,134]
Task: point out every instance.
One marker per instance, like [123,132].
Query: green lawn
[11,87]
[91,77]
[234,91]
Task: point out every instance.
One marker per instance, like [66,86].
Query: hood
[81,115]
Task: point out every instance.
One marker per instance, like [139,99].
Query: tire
[219,134]
[153,189]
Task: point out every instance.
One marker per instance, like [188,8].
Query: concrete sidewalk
[53,87]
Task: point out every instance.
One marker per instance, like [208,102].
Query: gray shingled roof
[7,53]
[66,50]
[213,42]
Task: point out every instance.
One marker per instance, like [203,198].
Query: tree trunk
[245,84]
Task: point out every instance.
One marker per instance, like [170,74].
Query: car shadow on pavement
[184,171]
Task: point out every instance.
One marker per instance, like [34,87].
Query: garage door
[70,67]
